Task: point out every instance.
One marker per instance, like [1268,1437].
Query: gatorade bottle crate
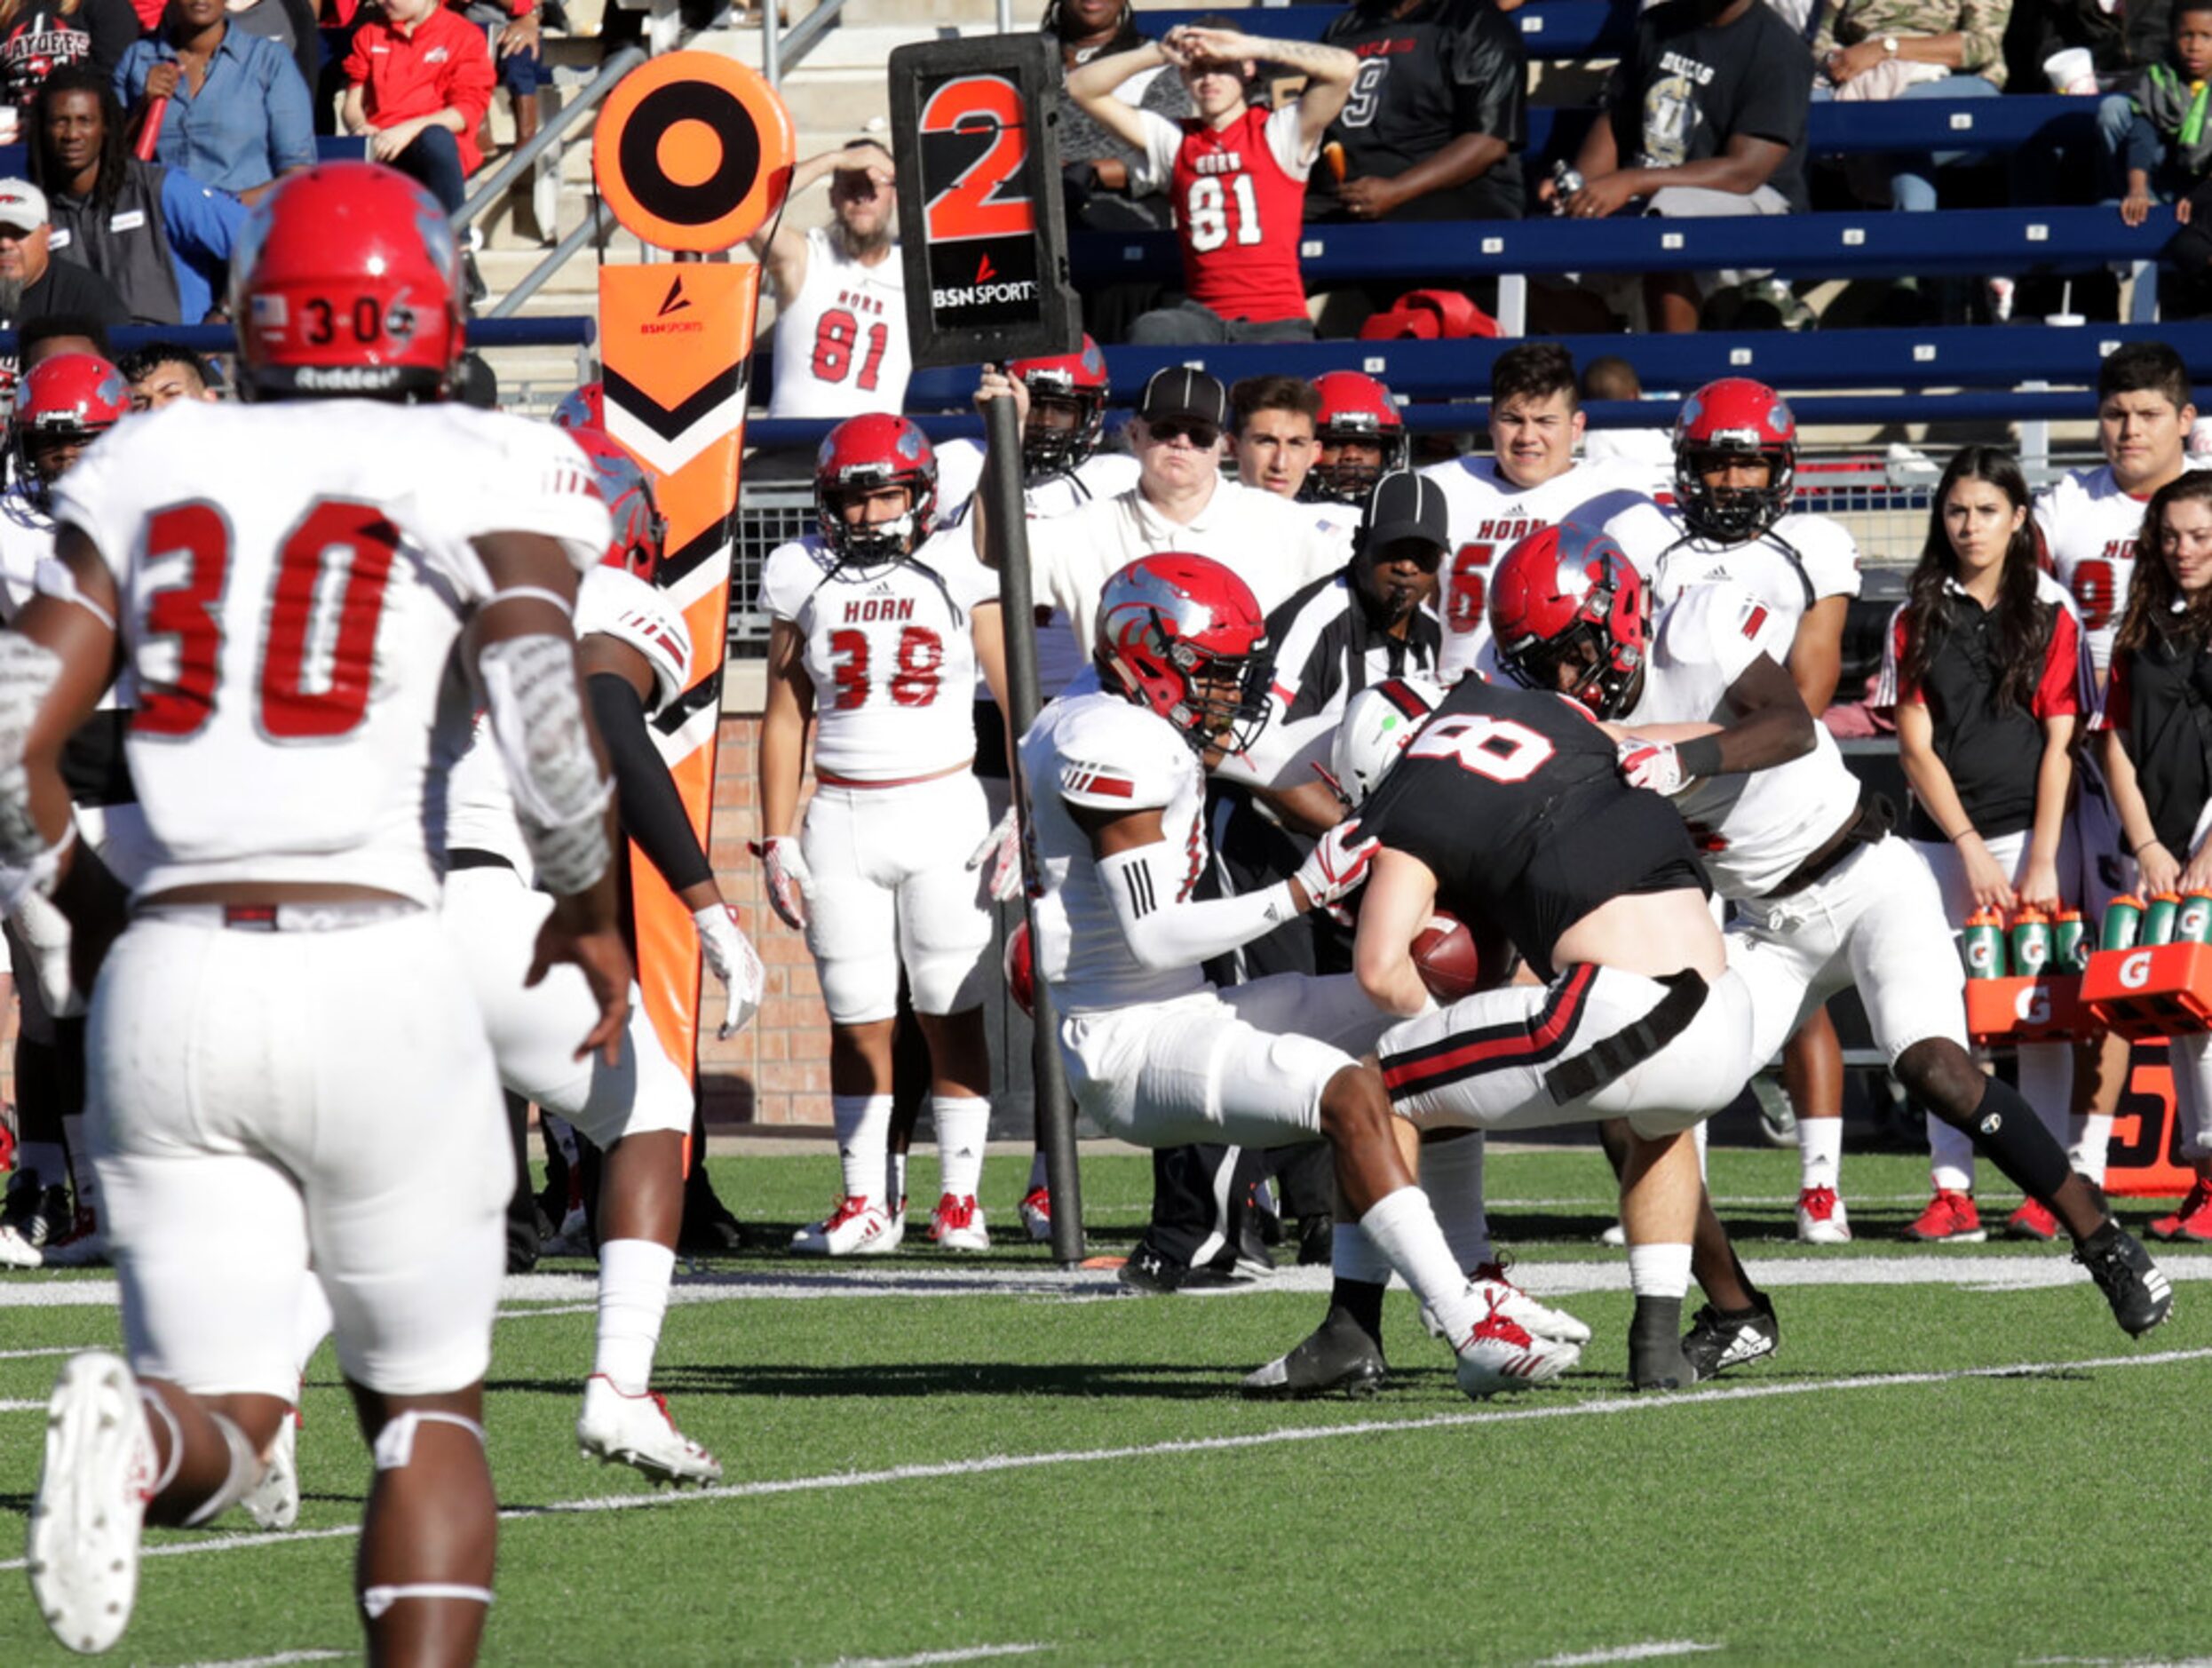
[2152,990]
[2019,1010]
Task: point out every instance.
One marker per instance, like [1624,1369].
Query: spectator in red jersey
[1236,175]
[419,81]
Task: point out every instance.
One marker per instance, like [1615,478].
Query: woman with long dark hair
[2157,754]
[1985,672]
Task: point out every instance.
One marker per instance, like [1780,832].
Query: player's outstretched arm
[1771,727]
[1399,898]
[521,650]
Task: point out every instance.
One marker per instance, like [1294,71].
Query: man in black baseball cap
[1180,394]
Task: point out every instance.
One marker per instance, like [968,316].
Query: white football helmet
[1378,723]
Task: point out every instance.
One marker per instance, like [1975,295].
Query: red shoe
[1036,1214]
[1949,1219]
[2193,1220]
[2032,1220]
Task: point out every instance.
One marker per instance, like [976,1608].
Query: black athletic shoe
[1664,1365]
[31,1218]
[1339,1356]
[1317,1240]
[709,1229]
[2141,1296]
[1721,1338]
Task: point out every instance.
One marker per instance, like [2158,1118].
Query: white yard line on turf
[1645,1652]
[279,1660]
[974,1653]
[993,1464]
[21,1407]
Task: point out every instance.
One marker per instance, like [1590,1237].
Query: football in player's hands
[1446,957]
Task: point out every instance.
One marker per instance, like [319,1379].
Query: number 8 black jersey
[1512,798]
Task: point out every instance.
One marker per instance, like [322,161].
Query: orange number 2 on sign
[967,208]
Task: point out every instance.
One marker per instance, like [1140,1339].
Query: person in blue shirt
[239,117]
[161,237]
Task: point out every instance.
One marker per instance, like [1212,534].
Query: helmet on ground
[1568,596]
[1733,418]
[1183,636]
[863,455]
[639,528]
[346,281]
[1378,723]
[1076,381]
[1358,409]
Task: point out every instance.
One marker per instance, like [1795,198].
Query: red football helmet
[639,525]
[61,407]
[1077,381]
[346,281]
[1568,596]
[583,408]
[862,455]
[1183,635]
[1358,409]
[1733,418]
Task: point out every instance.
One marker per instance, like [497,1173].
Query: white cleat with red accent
[1503,1355]
[857,1227]
[86,1517]
[957,1225]
[637,1431]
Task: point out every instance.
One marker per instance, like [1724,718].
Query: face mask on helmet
[1570,614]
[862,458]
[1182,635]
[1733,421]
[1378,725]
[65,404]
[1357,411]
[1067,395]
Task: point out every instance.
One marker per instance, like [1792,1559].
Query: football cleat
[1036,1214]
[1663,1364]
[2032,1220]
[1338,1355]
[83,1246]
[1821,1218]
[1721,1338]
[85,1519]
[1489,1284]
[2140,1296]
[857,1227]
[957,1224]
[1616,1234]
[29,1220]
[273,1502]
[1949,1219]
[2193,1220]
[1503,1355]
[637,1431]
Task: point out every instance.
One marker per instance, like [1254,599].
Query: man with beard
[32,283]
[841,293]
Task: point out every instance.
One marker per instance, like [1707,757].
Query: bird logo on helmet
[1183,636]
[582,408]
[1571,615]
[1076,381]
[345,282]
[862,456]
[61,407]
[1355,409]
[1379,723]
[1733,418]
[639,528]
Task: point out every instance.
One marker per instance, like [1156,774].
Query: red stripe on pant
[1488,1051]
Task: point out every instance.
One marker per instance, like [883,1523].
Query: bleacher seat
[1549,29]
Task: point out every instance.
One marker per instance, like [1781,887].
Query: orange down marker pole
[693,152]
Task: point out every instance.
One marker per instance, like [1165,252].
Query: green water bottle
[1984,945]
[2123,923]
[2070,942]
[2158,920]
[2031,944]
[2194,925]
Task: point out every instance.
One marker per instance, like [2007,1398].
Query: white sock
[634,1275]
[1353,1255]
[311,1321]
[81,1173]
[1951,1157]
[1659,1271]
[1819,1152]
[2091,1144]
[1451,1175]
[863,1123]
[1036,1171]
[1405,1231]
[45,1162]
[964,1123]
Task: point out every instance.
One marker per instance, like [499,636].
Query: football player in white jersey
[876,639]
[2089,520]
[1532,481]
[1156,1054]
[1827,895]
[62,405]
[285,585]
[1735,445]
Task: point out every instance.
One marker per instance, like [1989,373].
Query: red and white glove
[1337,863]
[1654,765]
[734,960]
[1002,849]
[787,879]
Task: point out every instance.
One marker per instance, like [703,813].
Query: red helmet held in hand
[861,456]
[1183,635]
[346,282]
[1356,409]
[1075,383]
[639,528]
[1731,420]
[1570,614]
